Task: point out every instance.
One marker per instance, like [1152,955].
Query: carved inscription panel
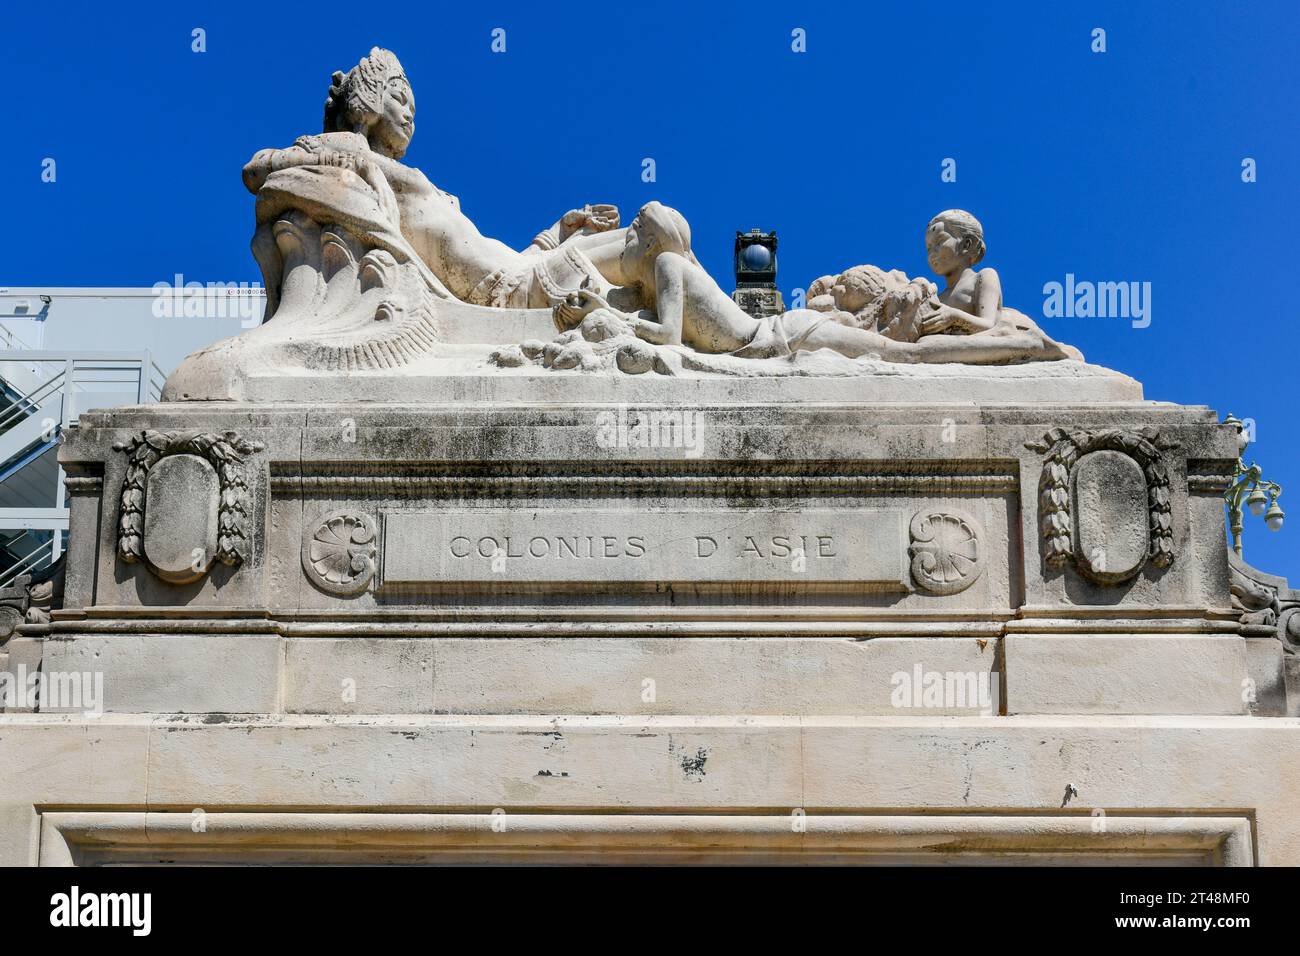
[722,546]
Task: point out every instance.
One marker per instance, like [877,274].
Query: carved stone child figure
[866,297]
[685,307]
[971,302]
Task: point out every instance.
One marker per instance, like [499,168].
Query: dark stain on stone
[693,765]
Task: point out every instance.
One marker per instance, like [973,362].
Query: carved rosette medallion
[1104,502]
[946,552]
[339,554]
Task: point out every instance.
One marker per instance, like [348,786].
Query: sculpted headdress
[360,90]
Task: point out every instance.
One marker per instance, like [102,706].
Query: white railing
[9,338]
[34,561]
[59,386]
[53,388]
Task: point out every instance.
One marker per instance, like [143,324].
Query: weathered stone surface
[1291,672]
[1125,674]
[560,462]
[21,661]
[582,675]
[359,675]
[98,838]
[20,825]
[699,547]
[948,550]
[1110,505]
[339,552]
[1266,695]
[360,255]
[877,605]
[451,376]
[176,673]
[180,522]
[1120,766]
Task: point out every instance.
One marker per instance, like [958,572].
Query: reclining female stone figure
[369,122]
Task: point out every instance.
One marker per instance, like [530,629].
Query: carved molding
[620,484]
[946,550]
[83,485]
[1063,449]
[1267,605]
[339,554]
[77,834]
[225,453]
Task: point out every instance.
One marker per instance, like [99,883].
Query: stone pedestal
[714,628]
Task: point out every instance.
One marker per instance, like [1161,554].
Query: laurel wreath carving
[225,453]
[1064,448]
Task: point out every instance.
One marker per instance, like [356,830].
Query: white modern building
[67,350]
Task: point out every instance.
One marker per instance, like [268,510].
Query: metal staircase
[41,394]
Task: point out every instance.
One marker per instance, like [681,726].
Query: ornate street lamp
[1249,487]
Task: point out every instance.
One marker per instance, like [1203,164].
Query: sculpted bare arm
[988,298]
[691,310]
[267,161]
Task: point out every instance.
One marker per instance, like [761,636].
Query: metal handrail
[157,381]
[9,335]
[147,372]
[27,402]
[28,561]
[8,545]
[57,355]
[78,378]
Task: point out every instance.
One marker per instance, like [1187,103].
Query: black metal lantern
[755,266]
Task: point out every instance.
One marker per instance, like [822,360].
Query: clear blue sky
[1122,166]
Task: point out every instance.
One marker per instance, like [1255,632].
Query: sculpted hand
[603,217]
[576,306]
[365,166]
[322,155]
[333,157]
[573,219]
[597,218]
[652,332]
[943,319]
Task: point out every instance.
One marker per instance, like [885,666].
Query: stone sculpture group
[565,534]
[363,259]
